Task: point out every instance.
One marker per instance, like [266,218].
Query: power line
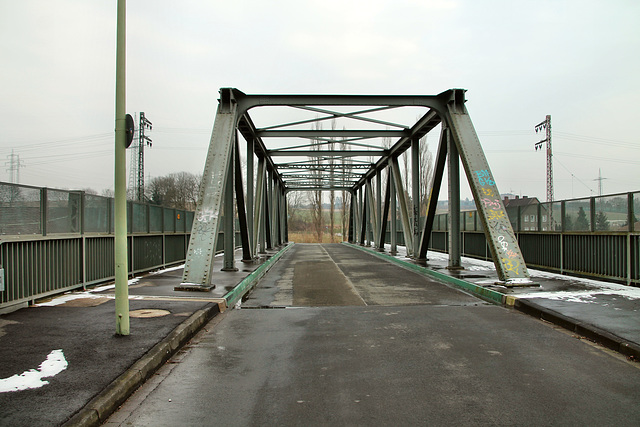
[63,142]
[604,159]
[596,140]
[573,176]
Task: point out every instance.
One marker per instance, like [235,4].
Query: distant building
[527,210]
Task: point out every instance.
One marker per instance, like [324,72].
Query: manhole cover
[148,312]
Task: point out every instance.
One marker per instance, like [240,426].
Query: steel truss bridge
[342,143]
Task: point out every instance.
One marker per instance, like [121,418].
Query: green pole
[121,273]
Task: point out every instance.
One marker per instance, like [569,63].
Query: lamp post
[120,180]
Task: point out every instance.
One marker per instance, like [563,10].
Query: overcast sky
[519,60]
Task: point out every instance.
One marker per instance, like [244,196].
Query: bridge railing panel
[53,240]
[20,210]
[596,237]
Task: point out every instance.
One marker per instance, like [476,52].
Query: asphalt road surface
[333,336]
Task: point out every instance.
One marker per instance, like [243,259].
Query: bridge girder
[349,157]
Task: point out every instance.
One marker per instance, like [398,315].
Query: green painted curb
[249,282]
[487,294]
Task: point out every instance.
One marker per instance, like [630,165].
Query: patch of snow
[67,297]
[593,287]
[52,366]
[583,296]
[478,268]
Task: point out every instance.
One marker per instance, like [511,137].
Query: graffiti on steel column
[511,265]
[504,244]
[485,178]
[495,216]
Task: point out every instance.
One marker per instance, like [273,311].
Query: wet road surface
[362,342]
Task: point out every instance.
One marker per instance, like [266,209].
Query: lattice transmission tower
[546,126]
[136,173]
[14,164]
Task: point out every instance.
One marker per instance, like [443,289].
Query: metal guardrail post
[43,210]
[631,212]
[592,214]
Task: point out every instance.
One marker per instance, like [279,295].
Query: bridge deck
[366,342]
[337,275]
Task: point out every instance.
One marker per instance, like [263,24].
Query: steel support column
[250,193]
[204,234]
[361,216]
[258,208]
[378,207]
[453,167]
[501,239]
[352,223]
[285,217]
[415,190]
[247,251]
[272,210]
[229,262]
[402,204]
[434,193]
[267,212]
[384,217]
[365,219]
[372,217]
[394,214]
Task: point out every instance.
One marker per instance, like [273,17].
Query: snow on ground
[52,366]
[587,296]
[92,293]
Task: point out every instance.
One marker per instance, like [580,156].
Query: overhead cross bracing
[341,142]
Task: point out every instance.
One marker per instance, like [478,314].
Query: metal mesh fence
[139,223]
[28,210]
[20,210]
[613,213]
[96,214]
[155,219]
[63,210]
[577,215]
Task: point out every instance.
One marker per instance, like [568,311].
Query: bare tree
[178,190]
[315,196]
[407,182]
[346,204]
[426,174]
[294,204]
[332,195]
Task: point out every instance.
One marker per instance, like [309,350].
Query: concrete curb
[106,402]
[250,281]
[484,293]
[605,338]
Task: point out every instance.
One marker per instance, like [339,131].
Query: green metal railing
[595,237]
[53,241]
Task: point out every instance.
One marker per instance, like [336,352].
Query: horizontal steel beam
[326,153]
[336,174]
[420,129]
[323,133]
[313,166]
[318,189]
[246,102]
